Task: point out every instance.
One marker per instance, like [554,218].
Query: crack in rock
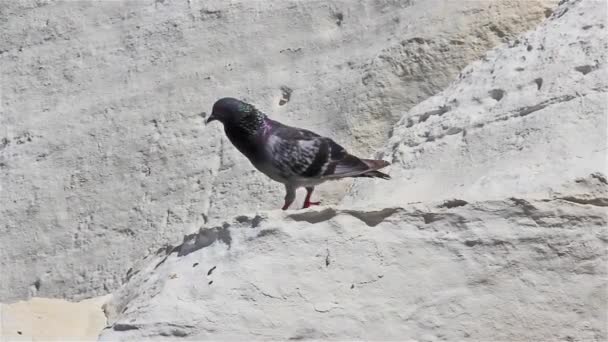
[596,201]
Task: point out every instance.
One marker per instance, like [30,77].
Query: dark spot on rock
[131,272]
[241,219]
[286,95]
[327,260]
[500,33]
[416,40]
[497,94]
[440,111]
[586,27]
[19,332]
[290,50]
[453,203]
[165,249]
[307,334]
[471,243]
[548,12]
[256,221]
[37,284]
[339,17]
[4,142]
[519,69]
[516,42]
[210,14]
[352,286]
[529,48]
[195,264]
[211,270]
[224,235]
[210,282]
[528,208]
[204,238]
[366,79]
[453,130]
[265,232]
[600,177]
[124,327]
[585,69]
[539,83]
[430,218]
[409,123]
[174,332]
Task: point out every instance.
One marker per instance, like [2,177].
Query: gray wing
[299,153]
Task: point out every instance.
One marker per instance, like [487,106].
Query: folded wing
[303,154]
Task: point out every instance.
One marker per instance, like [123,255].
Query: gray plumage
[293,156]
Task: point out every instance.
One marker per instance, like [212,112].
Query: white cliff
[493,228]
[103,154]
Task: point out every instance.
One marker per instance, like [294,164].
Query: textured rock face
[525,120]
[495,270]
[103,155]
[512,247]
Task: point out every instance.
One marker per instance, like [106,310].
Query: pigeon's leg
[290,195]
[307,202]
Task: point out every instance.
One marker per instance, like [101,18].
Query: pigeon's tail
[374,165]
[351,166]
[375,174]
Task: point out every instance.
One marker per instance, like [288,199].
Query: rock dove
[293,156]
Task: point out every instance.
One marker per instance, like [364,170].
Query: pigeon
[292,156]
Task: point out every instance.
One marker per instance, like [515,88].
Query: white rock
[103,155]
[494,270]
[526,119]
[516,256]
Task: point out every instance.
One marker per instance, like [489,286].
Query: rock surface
[525,120]
[103,155]
[509,242]
[507,270]
[47,319]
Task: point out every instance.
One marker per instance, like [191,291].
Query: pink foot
[308,204]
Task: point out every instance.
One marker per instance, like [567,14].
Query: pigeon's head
[230,111]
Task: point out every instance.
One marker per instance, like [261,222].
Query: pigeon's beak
[210,118]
